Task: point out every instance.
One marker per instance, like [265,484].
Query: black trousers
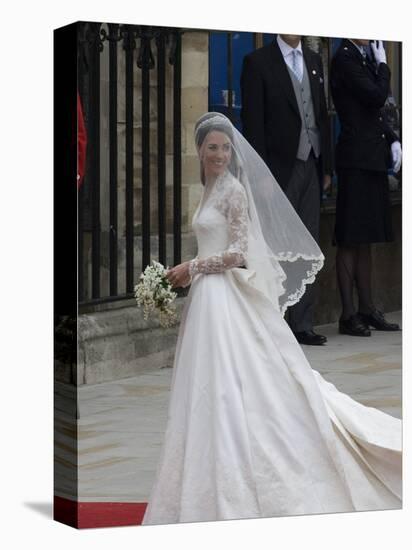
[304,194]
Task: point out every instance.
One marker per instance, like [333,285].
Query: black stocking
[363,278]
[346,260]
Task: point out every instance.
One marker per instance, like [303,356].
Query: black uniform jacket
[359,91]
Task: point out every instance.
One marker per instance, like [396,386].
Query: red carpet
[87,515]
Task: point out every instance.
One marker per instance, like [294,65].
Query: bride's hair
[203,127]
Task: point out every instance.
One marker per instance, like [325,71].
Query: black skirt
[363,212]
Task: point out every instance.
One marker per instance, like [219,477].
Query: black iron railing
[107,271]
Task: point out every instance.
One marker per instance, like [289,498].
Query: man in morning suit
[284,117]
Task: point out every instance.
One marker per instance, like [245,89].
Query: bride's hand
[179,275]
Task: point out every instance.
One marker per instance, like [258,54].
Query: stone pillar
[195,89]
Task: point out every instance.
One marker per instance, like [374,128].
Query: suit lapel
[283,77]
[313,75]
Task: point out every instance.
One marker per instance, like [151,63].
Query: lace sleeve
[235,254]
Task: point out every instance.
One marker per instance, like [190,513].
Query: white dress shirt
[288,55]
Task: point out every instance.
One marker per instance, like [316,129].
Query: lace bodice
[221,227]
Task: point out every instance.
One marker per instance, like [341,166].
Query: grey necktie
[296,66]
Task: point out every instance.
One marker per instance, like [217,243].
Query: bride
[252,430]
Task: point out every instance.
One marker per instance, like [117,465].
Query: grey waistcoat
[309,133]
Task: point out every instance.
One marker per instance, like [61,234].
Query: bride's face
[216,154]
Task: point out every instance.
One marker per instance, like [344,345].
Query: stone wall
[119,343]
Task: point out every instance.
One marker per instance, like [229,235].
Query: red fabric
[81,143]
[88,515]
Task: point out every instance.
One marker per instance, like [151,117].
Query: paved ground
[121,423]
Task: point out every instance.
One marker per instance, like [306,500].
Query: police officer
[366,149]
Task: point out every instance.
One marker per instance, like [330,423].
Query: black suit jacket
[270,113]
[359,92]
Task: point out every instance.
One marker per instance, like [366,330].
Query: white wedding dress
[252,430]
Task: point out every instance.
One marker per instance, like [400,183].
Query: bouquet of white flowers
[154,292]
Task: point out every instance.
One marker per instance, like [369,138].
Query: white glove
[396,156]
[378,51]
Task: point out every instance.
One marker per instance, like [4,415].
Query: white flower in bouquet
[154,293]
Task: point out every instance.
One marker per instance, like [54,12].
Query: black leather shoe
[377,320]
[354,326]
[310,338]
